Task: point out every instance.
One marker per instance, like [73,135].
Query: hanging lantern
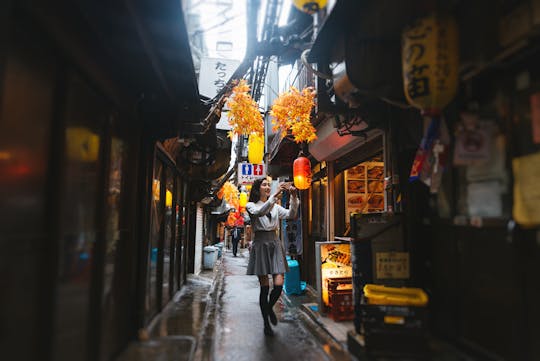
[243,199]
[302,172]
[168,199]
[309,6]
[255,148]
[430,63]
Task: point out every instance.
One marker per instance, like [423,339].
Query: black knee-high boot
[263,303]
[274,296]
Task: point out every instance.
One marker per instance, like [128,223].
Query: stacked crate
[340,297]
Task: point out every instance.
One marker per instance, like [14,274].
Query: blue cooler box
[292,284]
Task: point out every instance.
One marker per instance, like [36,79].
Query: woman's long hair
[255,192]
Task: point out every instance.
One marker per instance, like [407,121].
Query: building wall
[198,239]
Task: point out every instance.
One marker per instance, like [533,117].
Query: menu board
[335,262]
[364,189]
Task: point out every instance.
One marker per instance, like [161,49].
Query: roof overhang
[138,49]
[330,146]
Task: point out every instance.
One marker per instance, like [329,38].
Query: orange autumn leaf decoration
[230,194]
[244,115]
[292,112]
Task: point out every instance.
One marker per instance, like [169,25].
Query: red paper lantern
[302,172]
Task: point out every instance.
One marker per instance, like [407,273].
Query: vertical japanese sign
[430,59]
[214,74]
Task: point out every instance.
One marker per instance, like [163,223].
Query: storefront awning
[330,145]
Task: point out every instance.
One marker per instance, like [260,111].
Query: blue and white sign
[248,172]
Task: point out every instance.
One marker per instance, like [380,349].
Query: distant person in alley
[267,256]
[236,235]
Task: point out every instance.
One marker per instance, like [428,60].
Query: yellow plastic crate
[395,296]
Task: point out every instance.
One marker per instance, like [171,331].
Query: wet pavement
[216,316]
[184,330]
[239,326]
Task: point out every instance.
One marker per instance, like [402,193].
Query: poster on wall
[364,189]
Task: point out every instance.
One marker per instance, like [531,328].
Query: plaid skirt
[266,255]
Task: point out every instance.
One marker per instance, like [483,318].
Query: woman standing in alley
[267,256]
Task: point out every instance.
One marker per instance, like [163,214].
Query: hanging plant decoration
[292,113]
[230,193]
[244,115]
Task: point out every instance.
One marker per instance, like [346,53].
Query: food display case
[364,188]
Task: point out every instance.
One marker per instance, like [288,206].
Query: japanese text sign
[214,74]
[430,58]
[392,265]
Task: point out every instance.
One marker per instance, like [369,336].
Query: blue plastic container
[292,284]
[219,246]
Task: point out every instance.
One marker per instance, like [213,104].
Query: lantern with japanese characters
[309,6]
[302,172]
[255,148]
[430,56]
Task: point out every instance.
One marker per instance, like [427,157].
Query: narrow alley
[239,330]
[164,162]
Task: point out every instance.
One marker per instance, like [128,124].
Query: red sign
[258,169]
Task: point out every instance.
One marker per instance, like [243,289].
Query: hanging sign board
[248,172]
[214,74]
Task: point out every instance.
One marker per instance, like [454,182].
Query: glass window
[178,247]
[156,221]
[364,187]
[112,237]
[182,233]
[168,241]
[318,208]
[85,114]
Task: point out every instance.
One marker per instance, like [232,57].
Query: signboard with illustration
[248,172]
[334,262]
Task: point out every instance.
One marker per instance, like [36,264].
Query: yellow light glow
[168,199]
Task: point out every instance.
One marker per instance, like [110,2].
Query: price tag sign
[248,172]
